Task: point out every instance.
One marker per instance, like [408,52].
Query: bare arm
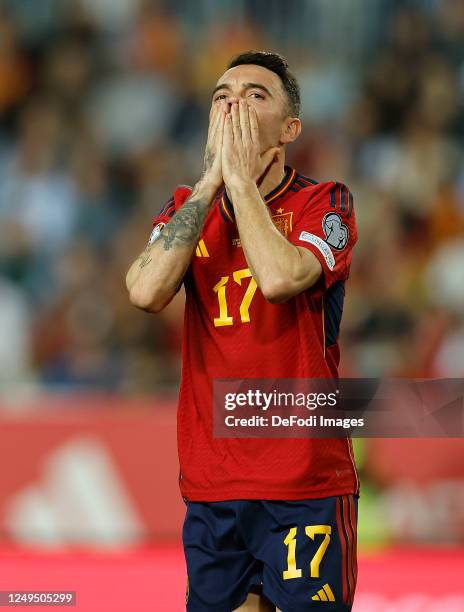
[156,274]
[280,268]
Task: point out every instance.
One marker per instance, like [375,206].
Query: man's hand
[212,163]
[242,160]
[155,276]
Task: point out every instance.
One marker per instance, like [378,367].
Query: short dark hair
[277,64]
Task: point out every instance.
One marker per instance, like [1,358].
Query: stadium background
[103,110]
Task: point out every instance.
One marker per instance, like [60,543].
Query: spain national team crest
[283,221]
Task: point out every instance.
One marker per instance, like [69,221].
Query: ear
[291,129]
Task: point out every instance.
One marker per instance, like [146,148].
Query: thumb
[269,156]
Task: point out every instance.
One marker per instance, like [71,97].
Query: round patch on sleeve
[156,232]
[336,232]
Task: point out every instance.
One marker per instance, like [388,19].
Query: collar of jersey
[226,206]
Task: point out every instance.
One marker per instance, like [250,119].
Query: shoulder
[168,209]
[181,193]
[333,195]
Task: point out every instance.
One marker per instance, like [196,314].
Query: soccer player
[263,253]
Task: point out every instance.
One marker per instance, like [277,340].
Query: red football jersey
[232,331]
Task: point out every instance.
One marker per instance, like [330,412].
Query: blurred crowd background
[103,110]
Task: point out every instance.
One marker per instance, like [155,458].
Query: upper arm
[326,231]
[181,194]
[144,290]
[163,218]
[311,269]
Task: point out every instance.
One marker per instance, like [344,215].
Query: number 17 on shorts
[326,555]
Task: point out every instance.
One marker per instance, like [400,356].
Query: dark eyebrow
[245,85]
[218,87]
[257,86]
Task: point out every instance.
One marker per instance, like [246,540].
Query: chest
[220,250]
[221,281]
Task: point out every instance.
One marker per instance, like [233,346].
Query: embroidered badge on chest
[283,221]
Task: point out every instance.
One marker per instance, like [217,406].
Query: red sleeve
[181,194]
[327,228]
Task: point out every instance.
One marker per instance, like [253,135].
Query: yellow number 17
[220,289]
[290,541]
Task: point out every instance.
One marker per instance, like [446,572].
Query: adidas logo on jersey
[201,250]
[324,594]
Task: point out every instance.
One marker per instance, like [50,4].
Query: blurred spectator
[14,72]
[15,332]
[103,110]
[37,196]
[111,15]
[131,112]
[158,45]
[67,71]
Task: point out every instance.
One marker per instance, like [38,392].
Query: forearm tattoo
[183,229]
[185,226]
[208,160]
[145,257]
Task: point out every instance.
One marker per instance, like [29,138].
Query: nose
[231,100]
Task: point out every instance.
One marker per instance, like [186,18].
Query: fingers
[228,135]
[235,114]
[220,129]
[215,119]
[213,115]
[245,122]
[212,111]
[254,127]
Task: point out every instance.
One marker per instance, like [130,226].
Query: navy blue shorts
[298,553]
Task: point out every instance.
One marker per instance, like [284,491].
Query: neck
[273,177]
